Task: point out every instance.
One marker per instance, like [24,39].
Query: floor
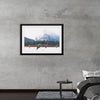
[18,95]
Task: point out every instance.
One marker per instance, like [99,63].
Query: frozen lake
[41,50]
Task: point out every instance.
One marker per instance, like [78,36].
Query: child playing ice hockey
[38,46]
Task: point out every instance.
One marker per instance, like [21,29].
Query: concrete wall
[81,19]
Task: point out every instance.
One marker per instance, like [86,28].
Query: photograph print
[41,39]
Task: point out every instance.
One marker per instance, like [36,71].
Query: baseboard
[31,90]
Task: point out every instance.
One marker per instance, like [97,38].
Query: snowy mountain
[49,37]
[28,39]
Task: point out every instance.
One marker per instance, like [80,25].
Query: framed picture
[41,39]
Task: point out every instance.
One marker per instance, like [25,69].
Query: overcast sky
[34,32]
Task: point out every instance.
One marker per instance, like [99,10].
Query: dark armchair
[89,85]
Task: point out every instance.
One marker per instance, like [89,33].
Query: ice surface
[42,50]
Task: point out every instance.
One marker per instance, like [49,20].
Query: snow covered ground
[42,50]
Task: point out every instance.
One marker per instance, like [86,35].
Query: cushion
[87,74]
[97,73]
[90,74]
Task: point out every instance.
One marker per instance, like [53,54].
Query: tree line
[35,43]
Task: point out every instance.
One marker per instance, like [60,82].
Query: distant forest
[42,43]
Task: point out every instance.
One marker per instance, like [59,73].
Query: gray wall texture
[81,19]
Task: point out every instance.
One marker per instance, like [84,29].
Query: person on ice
[38,46]
[46,45]
[56,45]
[29,45]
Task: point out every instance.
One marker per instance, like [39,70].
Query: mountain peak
[49,37]
[28,39]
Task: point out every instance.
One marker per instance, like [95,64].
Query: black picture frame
[23,42]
